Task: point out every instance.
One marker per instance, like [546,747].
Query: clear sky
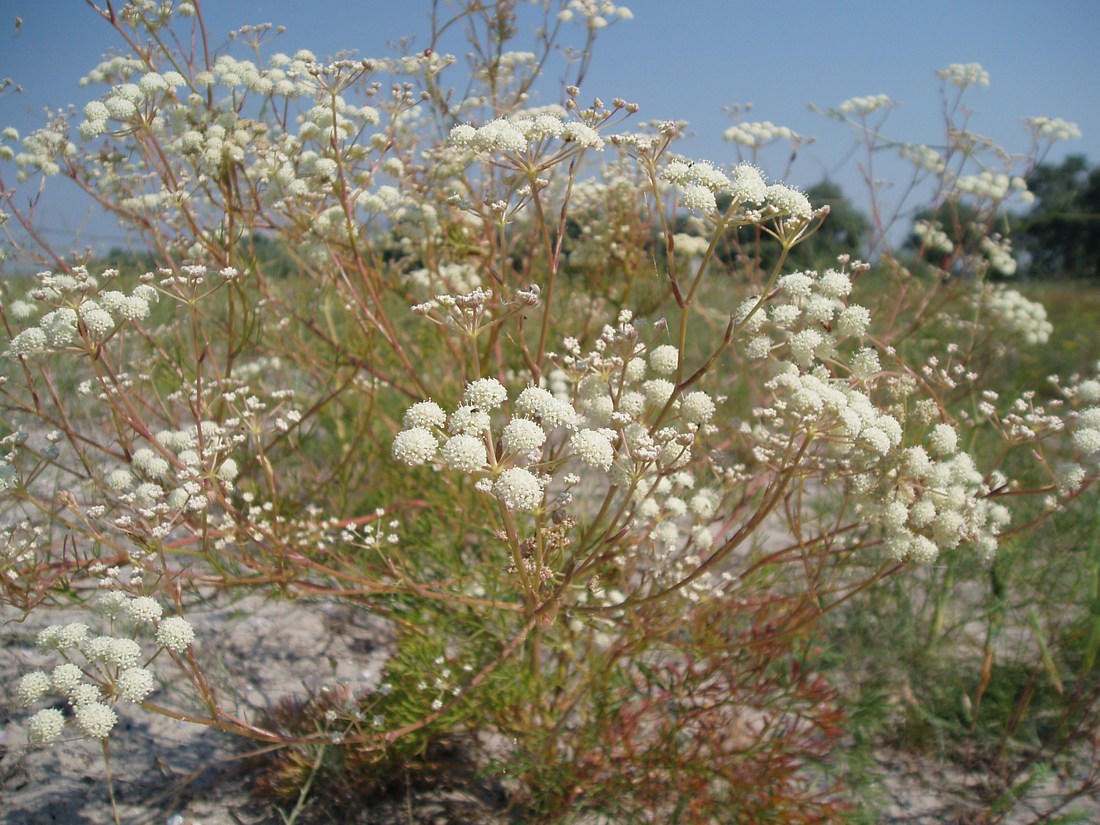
[679,59]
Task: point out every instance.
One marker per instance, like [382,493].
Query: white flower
[119,107]
[464,452]
[1089,391]
[1070,478]
[943,440]
[95,110]
[1054,128]
[32,687]
[699,197]
[747,184]
[866,104]
[582,135]
[45,726]
[111,604]
[415,446]
[852,322]
[701,536]
[95,720]
[787,201]
[797,284]
[759,347]
[522,436]
[541,404]
[803,345]
[98,321]
[26,342]
[227,471]
[1087,440]
[462,135]
[697,407]
[149,463]
[144,610]
[834,284]
[426,414]
[923,550]
[84,694]
[593,448]
[175,633]
[62,637]
[965,74]
[114,651]
[865,363]
[658,391]
[134,684]
[666,533]
[518,489]
[876,439]
[485,393]
[469,420]
[65,677]
[663,359]
[704,503]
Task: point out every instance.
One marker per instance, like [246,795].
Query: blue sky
[680,59]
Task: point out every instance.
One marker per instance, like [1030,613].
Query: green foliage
[1060,235]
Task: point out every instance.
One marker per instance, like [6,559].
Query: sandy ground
[176,774]
[165,769]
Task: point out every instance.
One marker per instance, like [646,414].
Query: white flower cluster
[457,279]
[1085,427]
[1054,128]
[1015,316]
[24,541]
[333,118]
[865,105]
[932,237]
[992,185]
[679,519]
[699,182]
[807,317]
[111,672]
[182,472]
[785,201]
[603,244]
[510,67]
[998,251]
[759,134]
[595,412]
[965,74]
[9,134]
[126,100]
[595,14]
[924,499]
[928,500]
[43,148]
[923,157]
[514,134]
[75,309]
[463,440]
[285,75]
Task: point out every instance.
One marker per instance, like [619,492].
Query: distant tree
[845,230]
[127,261]
[1060,236]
